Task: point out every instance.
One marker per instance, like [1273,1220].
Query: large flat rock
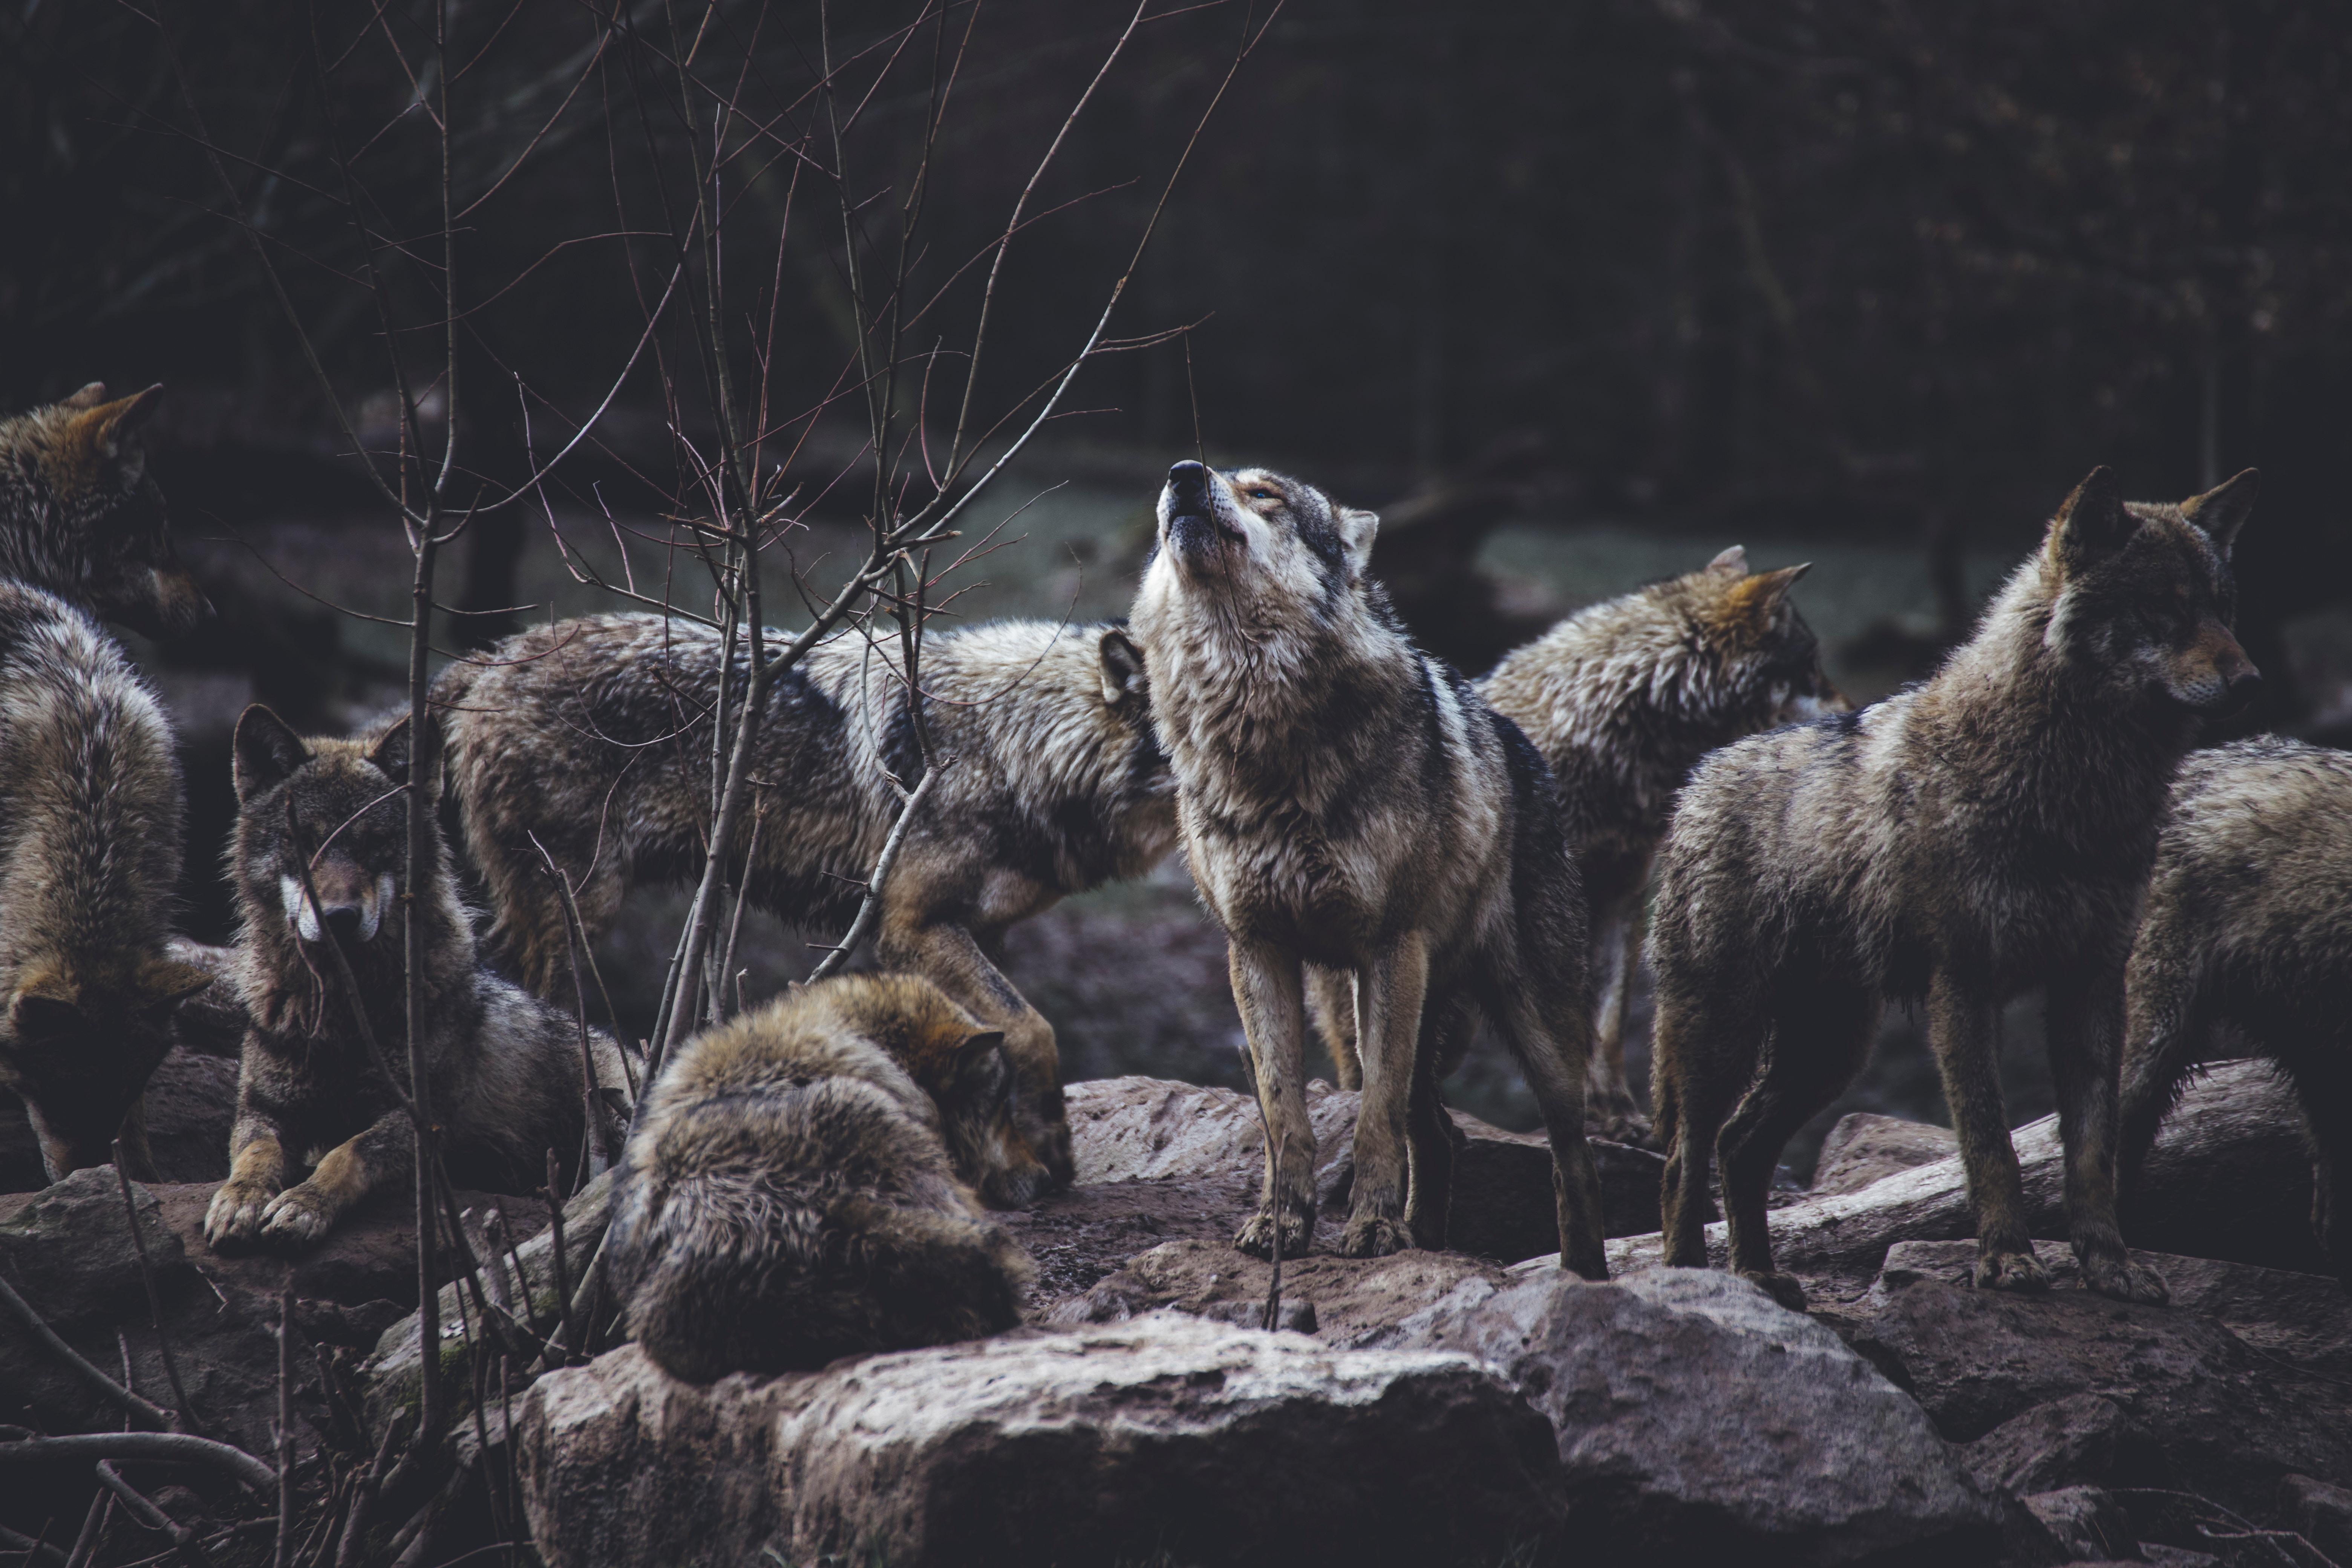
[1165,1435]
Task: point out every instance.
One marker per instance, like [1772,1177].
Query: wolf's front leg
[257,1170]
[2085,1031]
[1269,987]
[1388,994]
[304,1213]
[1960,1028]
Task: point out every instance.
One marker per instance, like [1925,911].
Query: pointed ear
[90,397]
[112,423]
[2092,524]
[1357,528]
[2222,510]
[395,755]
[1756,599]
[1122,668]
[48,1004]
[167,984]
[981,1068]
[1732,563]
[266,752]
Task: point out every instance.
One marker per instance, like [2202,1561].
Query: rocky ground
[1475,1405]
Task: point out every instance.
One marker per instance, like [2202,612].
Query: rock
[2087,1522]
[2227,1421]
[1699,1421]
[191,1101]
[1353,1299]
[2320,1513]
[1139,1129]
[2083,1439]
[2230,1178]
[2163,1556]
[1164,1436]
[1863,1147]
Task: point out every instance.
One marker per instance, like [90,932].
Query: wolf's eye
[1259,492]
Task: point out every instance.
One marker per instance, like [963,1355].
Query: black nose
[343,920]
[1188,477]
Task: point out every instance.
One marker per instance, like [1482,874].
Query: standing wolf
[1983,834]
[797,1188]
[1623,700]
[89,863]
[2249,927]
[81,516]
[1348,802]
[506,1080]
[594,736]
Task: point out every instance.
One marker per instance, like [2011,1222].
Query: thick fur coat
[1987,833]
[797,1189]
[1348,801]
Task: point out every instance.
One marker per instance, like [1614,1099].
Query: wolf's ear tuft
[2093,523]
[1357,528]
[1755,601]
[1732,563]
[167,982]
[1123,679]
[266,752]
[111,425]
[395,755]
[981,1069]
[2222,510]
[92,395]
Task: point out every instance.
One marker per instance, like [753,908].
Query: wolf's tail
[743,1279]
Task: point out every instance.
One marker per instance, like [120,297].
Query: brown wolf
[89,862]
[1348,801]
[2248,927]
[1984,834]
[1623,700]
[81,516]
[506,1074]
[797,1187]
[594,735]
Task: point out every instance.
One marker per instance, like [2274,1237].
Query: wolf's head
[1758,659]
[345,802]
[1257,540]
[2144,591]
[961,1065]
[81,517]
[80,1042]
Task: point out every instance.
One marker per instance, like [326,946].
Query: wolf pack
[1399,858]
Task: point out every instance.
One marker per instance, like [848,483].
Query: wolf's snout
[1187,480]
[343,922]
[2242,679]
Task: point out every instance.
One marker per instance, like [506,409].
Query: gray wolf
[1624,699]
[2249,929]
[1987,833]
[594,736]
[1348,801]
[80,515]
[798,1187]
[506,1077]
[90,864]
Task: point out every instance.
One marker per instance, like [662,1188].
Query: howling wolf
[505,1073]
[1987,833]
[1348,802]
[594,736]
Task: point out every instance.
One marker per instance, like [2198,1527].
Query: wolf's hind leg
[1616,960]
[2085,1037]
[1550,1035]
[1702,1053]
[1331,1002]
[1817,1045]
[1269,987]
[1960,1028]
[2167,1027]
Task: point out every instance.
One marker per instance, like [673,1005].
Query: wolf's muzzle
[1193,525]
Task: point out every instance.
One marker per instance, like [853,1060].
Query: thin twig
[187,1415]
[171,1447]
[142,1508]
[564,1332]
[597,1144]
[284,1555]
[112,1391]
[363,1496]
[93,1525]
[871,905]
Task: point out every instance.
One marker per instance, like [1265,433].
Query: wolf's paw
[1782,1288]
[297,1216]
[1257,1238]
[2125,1280]
[235,1212]
[2020,1271]
[1374,1235]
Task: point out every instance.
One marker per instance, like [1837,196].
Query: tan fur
[797,1187]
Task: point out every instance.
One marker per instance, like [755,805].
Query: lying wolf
[594,736]
[2249,927]
[505,1074]
[90,864]
[1623,700]
[799,1188]
[80,515]
[1348,802]
[1985,834]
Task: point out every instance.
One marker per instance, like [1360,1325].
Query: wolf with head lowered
[1983,835]
[1348,802]
[593,737]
